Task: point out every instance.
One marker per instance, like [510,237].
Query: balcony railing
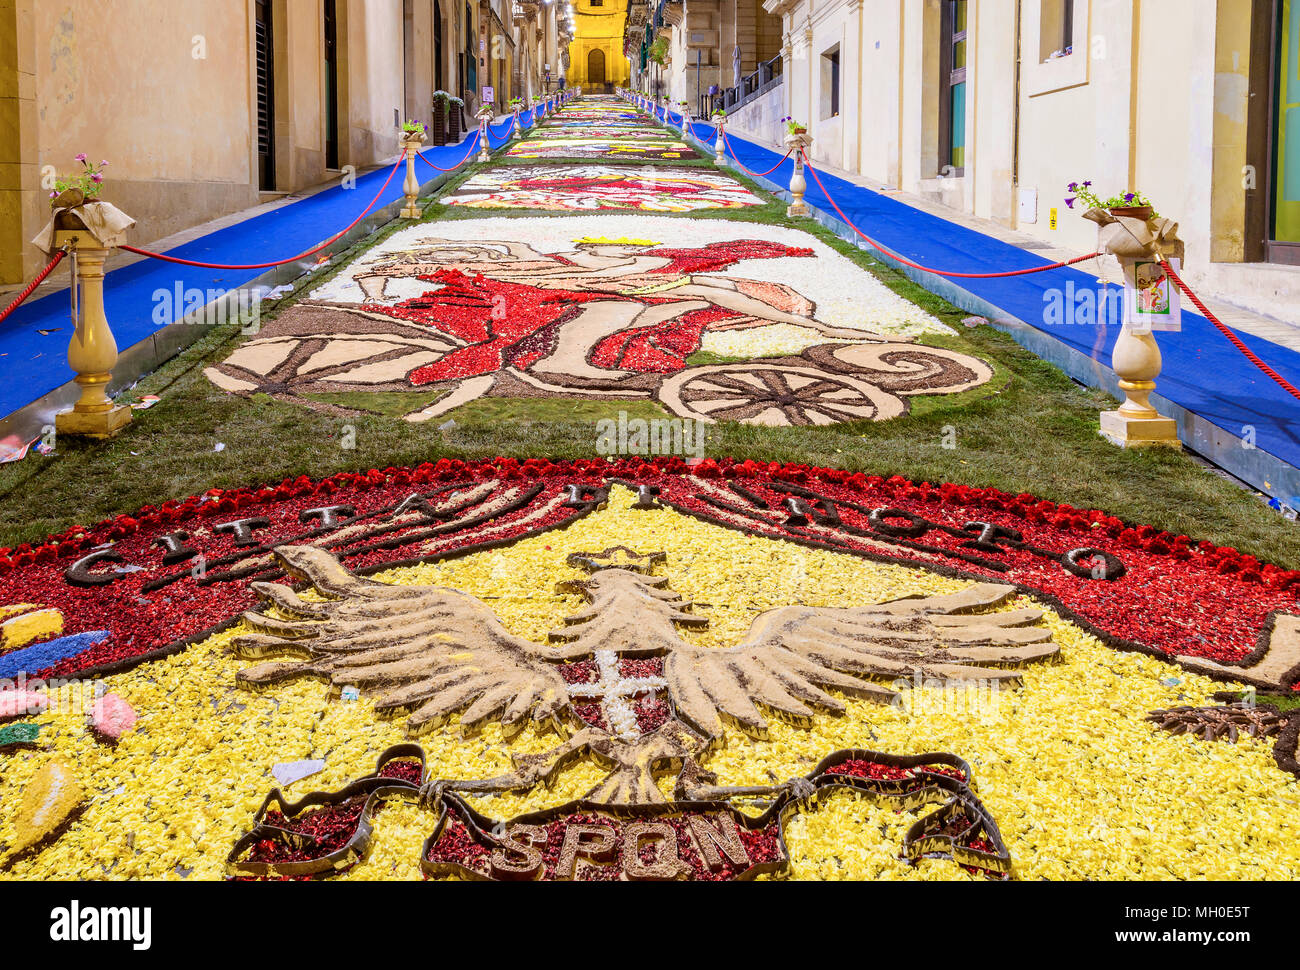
[751,86]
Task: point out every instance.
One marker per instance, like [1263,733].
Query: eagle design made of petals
[434,652]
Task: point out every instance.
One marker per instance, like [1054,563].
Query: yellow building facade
[596,58]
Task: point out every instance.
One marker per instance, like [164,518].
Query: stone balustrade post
[411,142]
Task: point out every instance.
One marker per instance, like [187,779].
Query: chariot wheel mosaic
[775,394]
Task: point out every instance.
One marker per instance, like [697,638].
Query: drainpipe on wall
[861,49]
[1015,131]
[1135,64]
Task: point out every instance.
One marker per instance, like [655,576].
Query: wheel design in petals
[288,366]
[775,395]
[904,369]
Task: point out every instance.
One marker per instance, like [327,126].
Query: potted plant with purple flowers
[794,127]
[79,188]
[1133,205]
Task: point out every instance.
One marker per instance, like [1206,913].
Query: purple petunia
[1069,203]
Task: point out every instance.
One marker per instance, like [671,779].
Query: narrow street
[569,524]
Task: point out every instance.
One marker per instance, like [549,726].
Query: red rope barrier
[927,269]
[472,145]
[508,125]
[1173,275]
[758,175]
[1223,329]
[310,252]
[31,287]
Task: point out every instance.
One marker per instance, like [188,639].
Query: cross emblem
[616,692]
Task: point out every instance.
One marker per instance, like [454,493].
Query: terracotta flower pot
[1143,212]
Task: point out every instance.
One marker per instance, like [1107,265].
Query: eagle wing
[793,655]
[428,650]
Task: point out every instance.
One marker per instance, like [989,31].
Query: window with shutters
[264,55]
[830,99]
[952,89]
[331,85]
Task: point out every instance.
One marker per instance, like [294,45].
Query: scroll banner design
[693,840]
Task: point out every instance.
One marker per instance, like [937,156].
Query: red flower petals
[1177,596]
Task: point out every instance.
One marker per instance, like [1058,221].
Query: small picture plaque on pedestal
[1151,300]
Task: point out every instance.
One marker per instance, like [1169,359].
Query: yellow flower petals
[1080,785]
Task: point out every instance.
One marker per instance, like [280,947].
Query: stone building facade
[597,62]
[992,107]
[258,98]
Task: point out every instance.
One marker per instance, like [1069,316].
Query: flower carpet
[602,148]
[559,307]
[579,188]
[595,129]
[709,671]
[573,121]
[686,667]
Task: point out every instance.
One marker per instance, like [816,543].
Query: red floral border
[1176,596]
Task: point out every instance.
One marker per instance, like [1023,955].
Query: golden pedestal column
[484,120]
[1134,236]
[798,143]
[1136,424]
[411,146]
[93,351]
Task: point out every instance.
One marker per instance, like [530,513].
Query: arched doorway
[596,67]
